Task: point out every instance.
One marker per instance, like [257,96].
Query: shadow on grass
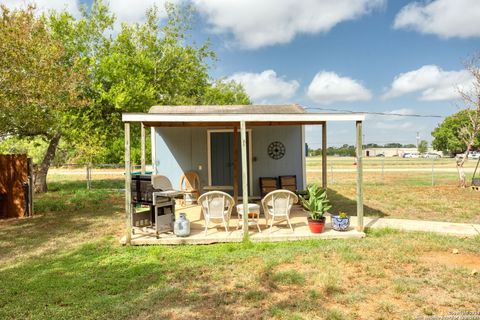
[100,280]
[68,209]
[342,203]
[94,281]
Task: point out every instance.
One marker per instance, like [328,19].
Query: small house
[232,147]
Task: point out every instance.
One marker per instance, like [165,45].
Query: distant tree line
[347,150]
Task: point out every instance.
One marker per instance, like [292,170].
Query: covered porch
[236,119]
[216,233]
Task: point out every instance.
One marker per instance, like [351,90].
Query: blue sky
[361,55]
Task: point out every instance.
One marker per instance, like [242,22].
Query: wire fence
[92,174]
[340,171]
[393,170]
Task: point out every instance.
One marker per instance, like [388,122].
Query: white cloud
[392,115]
[134,11]
[71,6]
[445,18]
[392,120]
[403,126]
[327,87]
[402,111]
[124,10]
[433,83]
[266,85]
[255,24]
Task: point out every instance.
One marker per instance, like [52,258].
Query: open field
[67,263]
[394,162]
[404,190]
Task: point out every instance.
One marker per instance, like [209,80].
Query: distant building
[394,152]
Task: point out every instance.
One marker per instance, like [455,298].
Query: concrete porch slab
[217,234]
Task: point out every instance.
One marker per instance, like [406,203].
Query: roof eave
[212,118]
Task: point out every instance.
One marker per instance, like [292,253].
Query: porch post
[142,146]
[243,138]
[235,164]
[359,176]
[128,194]
[324,155]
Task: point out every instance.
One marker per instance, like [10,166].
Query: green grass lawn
[67,263]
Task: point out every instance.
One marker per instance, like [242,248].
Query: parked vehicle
[431,155]
[471,155]
[380,155]
[411,155]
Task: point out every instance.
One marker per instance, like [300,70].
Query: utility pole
[418,139]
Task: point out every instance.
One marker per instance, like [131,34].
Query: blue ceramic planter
[340,224]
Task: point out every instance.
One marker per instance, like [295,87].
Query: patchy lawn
[388,162]
[67,263]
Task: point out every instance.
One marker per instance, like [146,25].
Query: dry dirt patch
[449,259]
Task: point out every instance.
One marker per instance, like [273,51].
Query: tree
[393,145]
[422,146]
[38,84]
[470,131]
[223,92]
[68,78]
[147,64]
[447,135]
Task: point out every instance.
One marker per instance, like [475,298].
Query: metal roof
[214,115]
[230,109]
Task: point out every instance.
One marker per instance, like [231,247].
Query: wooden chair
[216,205]
[190,185]
[267,184]
[288,183]
[278,204]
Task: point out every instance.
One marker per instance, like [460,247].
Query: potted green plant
[340,222]
[316,203]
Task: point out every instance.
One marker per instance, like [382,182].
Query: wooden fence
[15,186]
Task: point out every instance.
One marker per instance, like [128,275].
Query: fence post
[383,173]
[433,172]
[89,176]
[30,186]
[331,172]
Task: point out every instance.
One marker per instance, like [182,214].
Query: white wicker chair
[161,182]
[216,205]
[277,204]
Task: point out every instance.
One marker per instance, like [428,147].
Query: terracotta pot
[316,226]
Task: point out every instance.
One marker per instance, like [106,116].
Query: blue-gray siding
[185,149]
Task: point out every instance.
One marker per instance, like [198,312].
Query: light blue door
[221,155]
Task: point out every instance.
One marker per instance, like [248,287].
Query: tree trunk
[461,173]
[40,176]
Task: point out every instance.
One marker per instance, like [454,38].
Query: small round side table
[252,217]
